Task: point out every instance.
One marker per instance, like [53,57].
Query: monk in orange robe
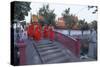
[45,31]
[40,31]
[30,30]
[37,32]
[28,33]
[51,33]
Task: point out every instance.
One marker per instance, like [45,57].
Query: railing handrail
[71,43]
[67,36]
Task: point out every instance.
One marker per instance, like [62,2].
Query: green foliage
[66,13]
[93,7]
[69,18]
[94,24]
[21,10]
[83,25]
[49,15]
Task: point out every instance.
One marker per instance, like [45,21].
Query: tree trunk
[82,32]
[69,32]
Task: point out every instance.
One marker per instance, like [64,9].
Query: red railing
[72,44]
[22,52]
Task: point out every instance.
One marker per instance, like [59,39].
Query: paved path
[46,52]
[31,54]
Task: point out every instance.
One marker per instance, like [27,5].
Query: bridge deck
[46,52]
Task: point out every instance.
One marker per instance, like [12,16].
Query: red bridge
[63,49]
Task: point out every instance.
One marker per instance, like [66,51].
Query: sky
[81,11]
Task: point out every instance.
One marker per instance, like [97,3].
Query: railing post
[22,52]
[56,36]
[78,47]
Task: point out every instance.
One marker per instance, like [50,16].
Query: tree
[66,13]
[93,7]
[49,15]
[69,19]
[21,10]
[94,24]
[83,25]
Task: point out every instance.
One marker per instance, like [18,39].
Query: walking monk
[30,30]
[45,31]
[51,33]
[37,31]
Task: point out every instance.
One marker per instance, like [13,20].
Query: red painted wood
[78,48]
[22,52]
[72,44]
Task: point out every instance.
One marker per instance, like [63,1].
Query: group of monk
[37,32]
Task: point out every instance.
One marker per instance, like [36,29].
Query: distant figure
[21,35]
[51,33]
[37,31]
[84,49]
[28,30]
[45,31]
[93,45]
[25,36]
[19,28]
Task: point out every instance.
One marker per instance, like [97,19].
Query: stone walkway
[31,54]
[45,52]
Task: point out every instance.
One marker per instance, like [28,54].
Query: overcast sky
[79,10]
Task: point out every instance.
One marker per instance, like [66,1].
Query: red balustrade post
[22,52]
[78,47]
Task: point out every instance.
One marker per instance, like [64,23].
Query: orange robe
[37,33]
[30,30]
[45,32]
[51,34]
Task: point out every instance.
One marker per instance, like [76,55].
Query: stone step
[59,60]
[52,53]
[44,42]
[50,56]
[47,48]
[45,45]
[54,57]
[49,52]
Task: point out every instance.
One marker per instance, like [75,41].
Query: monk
[27,30]
[45,31]
[51,32]
[40,28]
[30,31]
[37,31]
